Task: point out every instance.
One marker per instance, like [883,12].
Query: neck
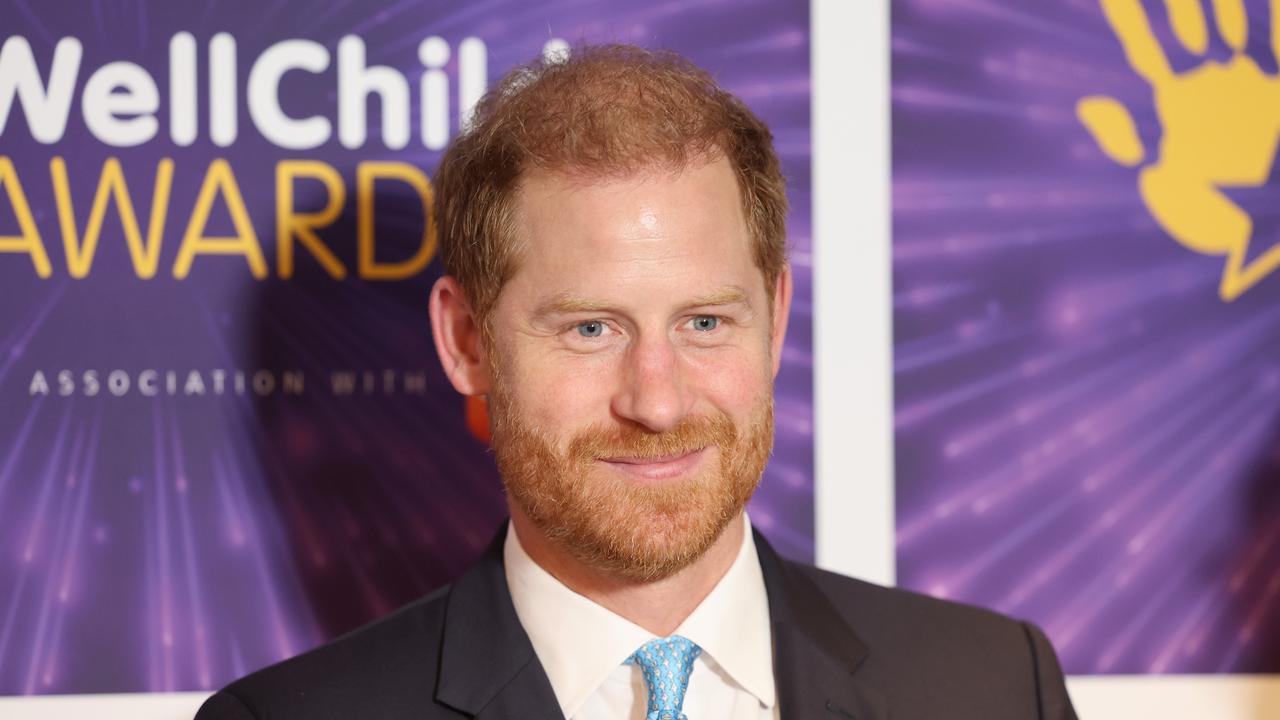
[658,606]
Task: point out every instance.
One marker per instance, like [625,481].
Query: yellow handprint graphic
[1221,122]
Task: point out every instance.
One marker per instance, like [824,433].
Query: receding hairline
[606,111]
[578,176]
[580,179]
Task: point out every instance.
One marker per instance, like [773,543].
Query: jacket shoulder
[384,669]
[938,653]
[901,611]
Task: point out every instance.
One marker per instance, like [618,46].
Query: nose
[653,391]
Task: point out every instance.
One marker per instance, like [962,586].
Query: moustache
[690,435]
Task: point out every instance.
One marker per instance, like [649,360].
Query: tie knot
[666,664]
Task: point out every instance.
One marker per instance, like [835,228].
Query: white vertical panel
[853,352]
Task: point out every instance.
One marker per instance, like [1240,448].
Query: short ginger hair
[602,111]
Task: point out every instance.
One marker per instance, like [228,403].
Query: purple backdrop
[171,542]
[1087,435]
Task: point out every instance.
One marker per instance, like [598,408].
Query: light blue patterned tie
[666,664]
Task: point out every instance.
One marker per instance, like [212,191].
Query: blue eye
[591,329]
[706,323]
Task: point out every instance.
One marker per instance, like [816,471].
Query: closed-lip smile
[656,468]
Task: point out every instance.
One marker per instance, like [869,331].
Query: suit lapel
[488,668]
[816,653]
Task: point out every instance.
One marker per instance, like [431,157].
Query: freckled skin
[644,248]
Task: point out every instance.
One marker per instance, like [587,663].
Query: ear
[457,337]
[781,313]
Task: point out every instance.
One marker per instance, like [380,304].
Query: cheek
[560,393]
[730,379]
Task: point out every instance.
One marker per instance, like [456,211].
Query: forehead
[655,229]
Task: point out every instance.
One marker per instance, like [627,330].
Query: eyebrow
[566,304]
[731,295]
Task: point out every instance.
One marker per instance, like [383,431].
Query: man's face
[633,357]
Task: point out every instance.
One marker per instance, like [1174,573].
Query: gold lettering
[219,178]
[290,223]
[367,173]
[111,184]
[29,239]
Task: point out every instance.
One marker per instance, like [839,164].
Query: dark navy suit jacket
[843,648]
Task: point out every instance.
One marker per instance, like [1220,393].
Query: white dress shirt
[582,646]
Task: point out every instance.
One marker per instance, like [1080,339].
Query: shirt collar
[579,642]
[732,624]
